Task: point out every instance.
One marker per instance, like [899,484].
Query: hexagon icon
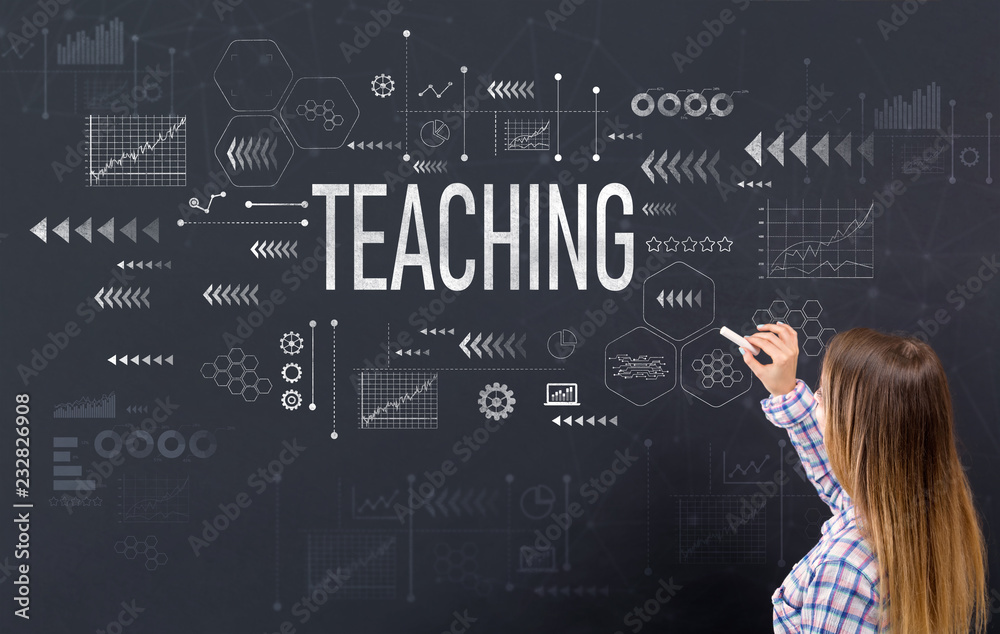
[678,300]
[254,150]
[713,371]
[320,113]
[640,366]
[253,75]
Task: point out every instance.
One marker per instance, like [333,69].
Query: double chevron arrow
[489,345]
[238,295]
[470,502]
[426,167]
[659,209]
[274,249]
[122,297]
[511,89]
[685,166]
[251,151]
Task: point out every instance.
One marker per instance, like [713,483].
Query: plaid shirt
[834,588]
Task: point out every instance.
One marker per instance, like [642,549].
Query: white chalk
[738,340]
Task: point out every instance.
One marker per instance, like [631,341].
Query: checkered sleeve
[840,599]
[796,413]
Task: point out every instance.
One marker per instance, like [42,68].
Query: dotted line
[334,381]
[591,111]
[303,222]
[647,509]
[462,369]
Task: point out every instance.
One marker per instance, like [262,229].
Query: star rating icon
[706,243]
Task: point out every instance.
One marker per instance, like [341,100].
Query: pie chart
[434,133]
[562,343]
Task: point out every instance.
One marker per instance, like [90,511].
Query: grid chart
[820,241]
[353,565]
[156,499]
[707,534]
[144,151]
[527,134]
[393,399]
[102,407]
[915,160]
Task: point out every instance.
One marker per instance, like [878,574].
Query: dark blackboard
[528,438]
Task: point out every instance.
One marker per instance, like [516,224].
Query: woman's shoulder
[844,543]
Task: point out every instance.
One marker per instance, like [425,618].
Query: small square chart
[721,529]
[397,399]
[820,241]
[364,561]
[142,151]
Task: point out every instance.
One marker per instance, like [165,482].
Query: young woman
[904,549]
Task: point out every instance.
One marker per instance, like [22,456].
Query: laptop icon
[561,394]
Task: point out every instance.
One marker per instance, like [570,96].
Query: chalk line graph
[144,151]
[820,242]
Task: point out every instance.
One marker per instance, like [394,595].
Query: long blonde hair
[889,434]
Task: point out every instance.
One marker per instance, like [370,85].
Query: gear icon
[291,343]
[292,372]
[383,86]
[496,401]
[969,162]
[291,400]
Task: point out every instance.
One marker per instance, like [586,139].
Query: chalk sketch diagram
[710,372]
[253,75]
[678,300]
[640,366]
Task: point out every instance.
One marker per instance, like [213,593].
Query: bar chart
[922,112]
[105,48]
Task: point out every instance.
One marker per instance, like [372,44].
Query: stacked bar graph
[106,48]
[922,112]
[103,407]
[67,477]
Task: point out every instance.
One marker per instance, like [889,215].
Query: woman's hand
[781,343]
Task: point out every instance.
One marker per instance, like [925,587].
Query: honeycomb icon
[312,111]
[133,549]
[237,372]
[805,320]
[716,368]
